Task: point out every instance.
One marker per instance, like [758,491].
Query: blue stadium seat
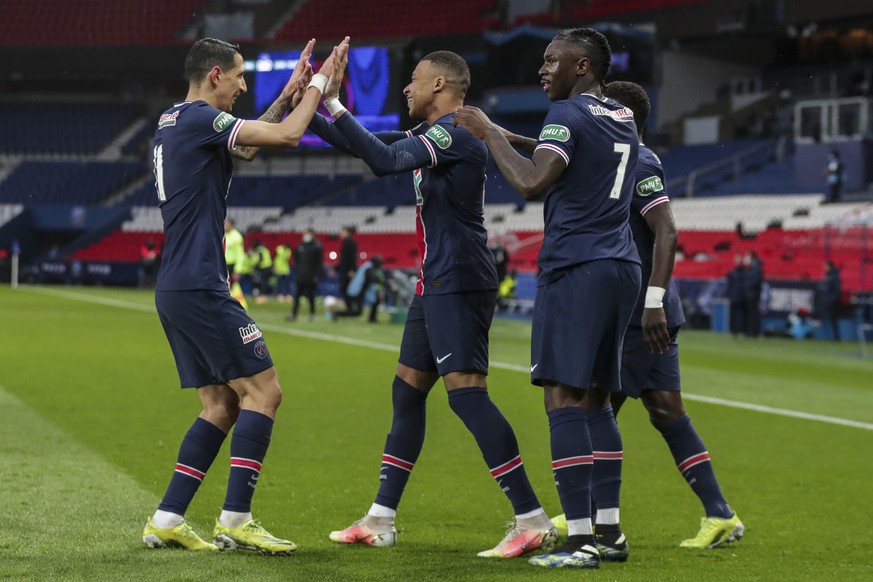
[62,128]
[67,182]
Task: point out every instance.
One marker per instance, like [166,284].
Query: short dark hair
[454,65]
[633,96]
[207,53]
[595,46]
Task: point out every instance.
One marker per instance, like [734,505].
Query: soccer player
[446,332]
[650,362]
[584,163]
[218,349]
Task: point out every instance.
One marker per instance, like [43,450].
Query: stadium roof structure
[546,33]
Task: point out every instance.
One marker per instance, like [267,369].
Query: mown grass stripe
[500,365]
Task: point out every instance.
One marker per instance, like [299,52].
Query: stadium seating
[61,128]
[573,11]
[96,22]
[9,211]
[67,182]
[333,19]
[773,178]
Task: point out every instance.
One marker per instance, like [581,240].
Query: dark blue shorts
[448,333]
[579,323]
[642,370]
[212,337]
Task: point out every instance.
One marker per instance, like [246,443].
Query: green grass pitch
[91,418]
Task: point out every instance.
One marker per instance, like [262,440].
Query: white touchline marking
[779,411]
[393,348]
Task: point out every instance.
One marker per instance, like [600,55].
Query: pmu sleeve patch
[222,121]
[439,136]
[555,132]
[649,186]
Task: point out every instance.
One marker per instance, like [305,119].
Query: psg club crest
[261,350]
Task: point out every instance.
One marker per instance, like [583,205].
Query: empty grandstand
[743,135]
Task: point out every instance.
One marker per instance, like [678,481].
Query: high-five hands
[300,77]
[336,62]
[335,81]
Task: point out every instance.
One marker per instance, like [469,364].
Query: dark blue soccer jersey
[193,168]
[448,179]
[586,210]
[650,191]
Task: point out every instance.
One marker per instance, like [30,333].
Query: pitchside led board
[367,86]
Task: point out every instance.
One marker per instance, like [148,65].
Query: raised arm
[530,177]
[288,132]
[383,158]
[654,322]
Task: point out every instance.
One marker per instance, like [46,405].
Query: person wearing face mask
[308,264]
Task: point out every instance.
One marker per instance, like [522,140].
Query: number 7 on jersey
[624,149]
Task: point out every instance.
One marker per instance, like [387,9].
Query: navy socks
[248,447]
[692,460]
[498,444]
[199,448]
[403,444]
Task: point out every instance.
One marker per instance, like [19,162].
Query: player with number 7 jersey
[583,163]
[587,209]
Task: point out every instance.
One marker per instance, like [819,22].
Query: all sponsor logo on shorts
[440,136]
[167,119]
[555,132]
[261,349]
[250,333]
[649,186]
[223,121]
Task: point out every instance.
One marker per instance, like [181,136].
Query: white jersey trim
[549,146]
[231,141]
[652,204]
[433,158]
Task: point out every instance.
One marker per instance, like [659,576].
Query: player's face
[419,93]
[231,84]
[558,73]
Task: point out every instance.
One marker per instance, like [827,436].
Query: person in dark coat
[308,264]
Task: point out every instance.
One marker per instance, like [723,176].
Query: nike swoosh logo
[534,367]
[443,359]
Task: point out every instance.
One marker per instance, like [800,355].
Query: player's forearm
[520,142]
[273,114]
[293,127]
[382,159]
[320,126]
[518,170]
[663,256]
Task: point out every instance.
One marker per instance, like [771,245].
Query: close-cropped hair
[453,67]
[633,96]
[206,54]
[593,45]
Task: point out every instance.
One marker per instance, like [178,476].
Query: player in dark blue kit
[650,364]
[218,349]
[446,332]
[584,163]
